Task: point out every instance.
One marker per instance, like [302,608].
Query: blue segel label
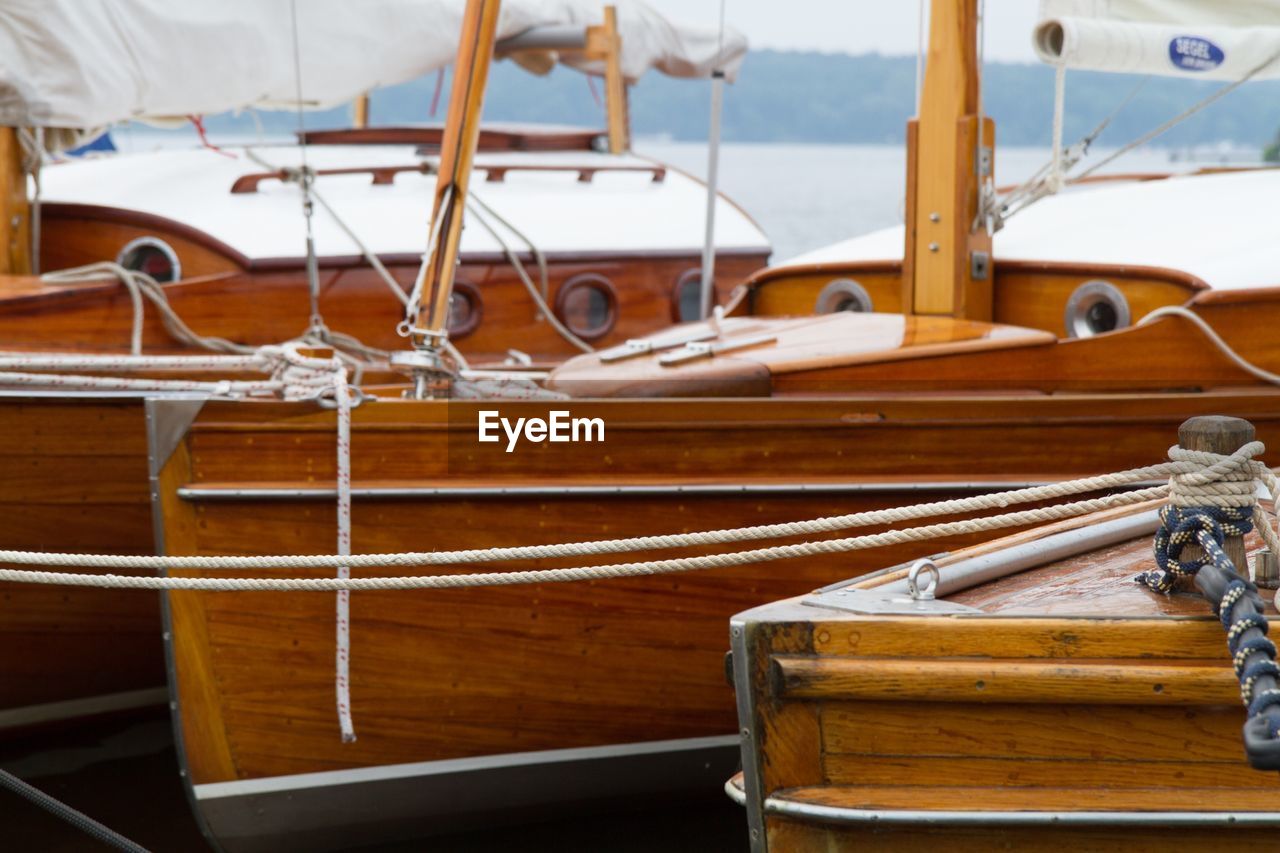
[1191,53]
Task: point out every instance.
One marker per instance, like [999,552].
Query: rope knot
[1211,496]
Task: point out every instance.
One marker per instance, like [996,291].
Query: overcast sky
[853,26]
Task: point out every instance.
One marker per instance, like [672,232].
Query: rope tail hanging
[1203,511]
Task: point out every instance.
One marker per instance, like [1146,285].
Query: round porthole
[1095,307]
[152,256]
[843,294]
[465,309]
[588,305]
[686,297]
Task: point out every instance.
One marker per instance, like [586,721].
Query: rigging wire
[316,324]
[1038,186]
[919,53]
[1181,117]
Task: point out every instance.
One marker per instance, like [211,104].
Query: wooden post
[1218,434]
[360,110]
[603,42]
[457,151]
[944,271]
[15,207]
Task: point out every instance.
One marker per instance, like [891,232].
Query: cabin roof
[618,212]
[1216,226]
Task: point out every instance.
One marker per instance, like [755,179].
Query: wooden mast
[947,263]
[360,117]
[457,151]
[603,42]
[15,207]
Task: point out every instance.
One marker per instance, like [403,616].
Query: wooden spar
[360,105]
[15,208]
[603,42]
[1217,434]
[457,151]
[943,180]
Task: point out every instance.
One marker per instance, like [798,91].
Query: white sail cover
[1201,39]
[88,63]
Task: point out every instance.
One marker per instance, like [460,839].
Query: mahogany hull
[1068,708]
[516,671]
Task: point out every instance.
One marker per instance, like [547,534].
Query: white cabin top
[1220,227]
[620,210]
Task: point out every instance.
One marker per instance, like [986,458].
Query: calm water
[803,196]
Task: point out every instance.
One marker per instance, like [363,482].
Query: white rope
[293,375]
[1059,107]
[908,535]
[829,524]
[1214,338]
[1227,481]
[141,284]
[343,629]
[1196,478]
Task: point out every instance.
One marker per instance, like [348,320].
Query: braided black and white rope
[1237,604]
[1183,526]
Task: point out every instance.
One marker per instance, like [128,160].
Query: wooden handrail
[496,173]
[381,175]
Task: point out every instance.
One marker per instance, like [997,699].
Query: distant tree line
[788,96]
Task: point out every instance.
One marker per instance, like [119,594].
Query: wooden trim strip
[1080,682]
[1003,266]
[496,173]
[147,221]
[382,175]
[823,813]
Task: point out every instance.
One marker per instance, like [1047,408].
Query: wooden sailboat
[516,696]
[1038,697]
[229,234]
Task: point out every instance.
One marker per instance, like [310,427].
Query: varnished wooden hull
[75,479]
[504,672]
[1069,709]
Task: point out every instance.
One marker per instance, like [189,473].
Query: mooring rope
[102,834]
[829,524]
[1204,508]
[907,535]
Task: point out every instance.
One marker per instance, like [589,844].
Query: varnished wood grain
[1022,772]
[1097,682]
[789,835]
[73,477]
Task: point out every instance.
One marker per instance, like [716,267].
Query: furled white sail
[87,63]
[1221,40]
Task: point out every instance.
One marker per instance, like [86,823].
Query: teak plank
[1090,682]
